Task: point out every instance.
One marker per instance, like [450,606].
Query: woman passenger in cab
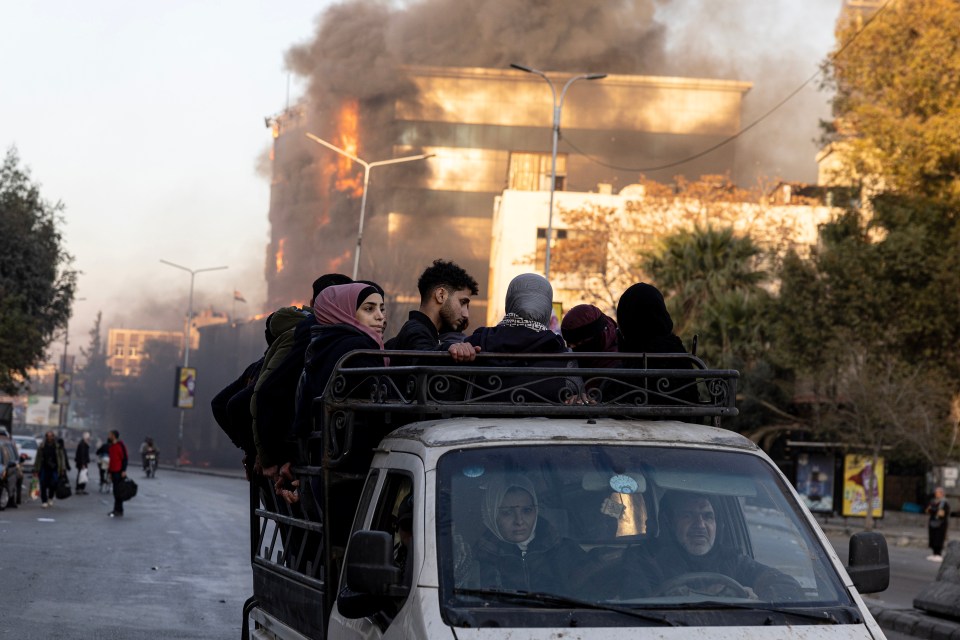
[520,550]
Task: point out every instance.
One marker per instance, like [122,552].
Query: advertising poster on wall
[815,481]
[63,387]
[186,387]
[861,480]
[41,411]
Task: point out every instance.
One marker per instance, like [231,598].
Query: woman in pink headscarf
[351,317]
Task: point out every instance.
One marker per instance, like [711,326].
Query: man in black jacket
[82,458]
[445,290]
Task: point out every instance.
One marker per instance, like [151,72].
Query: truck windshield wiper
[822,616]
[526,597]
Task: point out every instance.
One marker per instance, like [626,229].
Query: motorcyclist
[148,447]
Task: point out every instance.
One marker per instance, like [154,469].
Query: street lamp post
[366,179]
[186,338]
[557,106]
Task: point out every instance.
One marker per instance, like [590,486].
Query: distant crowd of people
[269,407]
[51,466]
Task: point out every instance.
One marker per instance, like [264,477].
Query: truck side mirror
[370,575]
[869,563]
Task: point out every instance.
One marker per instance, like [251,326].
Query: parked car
[11,473]
[27,446]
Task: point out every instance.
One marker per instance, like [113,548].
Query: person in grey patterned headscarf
[524,329]
[530,297]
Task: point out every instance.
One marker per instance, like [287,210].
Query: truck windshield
[626,535]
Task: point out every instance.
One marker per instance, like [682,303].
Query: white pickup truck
[473,502]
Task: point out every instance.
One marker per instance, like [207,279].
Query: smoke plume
[360,46]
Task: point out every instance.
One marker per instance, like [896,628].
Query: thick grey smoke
[774,44]
[360,47]
[358,44]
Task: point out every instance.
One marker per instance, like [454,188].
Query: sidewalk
[899,528]
[902,530]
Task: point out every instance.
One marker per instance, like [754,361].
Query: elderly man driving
[689,558]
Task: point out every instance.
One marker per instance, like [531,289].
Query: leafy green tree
[869,324]
[36,282]
[897,100]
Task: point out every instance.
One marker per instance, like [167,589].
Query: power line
[750,126]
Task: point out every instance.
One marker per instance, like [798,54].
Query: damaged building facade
[487,131]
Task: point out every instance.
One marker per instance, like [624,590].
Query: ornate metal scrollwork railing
[537,385]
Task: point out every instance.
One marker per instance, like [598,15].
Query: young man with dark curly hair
[445,290]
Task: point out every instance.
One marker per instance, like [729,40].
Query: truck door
[396,507]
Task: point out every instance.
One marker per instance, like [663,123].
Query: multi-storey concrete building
[488,130]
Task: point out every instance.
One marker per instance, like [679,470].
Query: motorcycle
[150,464]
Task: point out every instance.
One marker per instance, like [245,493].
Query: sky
[146,120]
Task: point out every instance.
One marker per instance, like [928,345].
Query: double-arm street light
[366,179]
[186,337]
[557,106]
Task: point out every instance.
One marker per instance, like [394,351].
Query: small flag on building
[238,296]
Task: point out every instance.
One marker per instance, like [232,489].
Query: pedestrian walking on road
[939,511]
[82,458]
[103,463]
[117,469]
[50,463]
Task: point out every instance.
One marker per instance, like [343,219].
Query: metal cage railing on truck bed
[563,384]
[363,404]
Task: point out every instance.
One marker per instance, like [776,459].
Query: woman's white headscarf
[496,490]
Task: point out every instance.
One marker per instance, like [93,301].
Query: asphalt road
[175,566]
[909,571]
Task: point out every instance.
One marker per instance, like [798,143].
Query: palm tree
[712,280]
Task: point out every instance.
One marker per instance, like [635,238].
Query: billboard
[62,388]
[862,485]
[186,388]
[815,481]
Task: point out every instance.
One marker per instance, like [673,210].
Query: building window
[573,251]
[531,171]
[118,351]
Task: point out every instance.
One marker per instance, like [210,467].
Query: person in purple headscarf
[587,329]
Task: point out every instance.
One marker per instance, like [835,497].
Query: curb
[207,471]
[914,623]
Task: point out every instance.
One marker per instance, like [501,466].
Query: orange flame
[335,263]
[280,255]
[348,179]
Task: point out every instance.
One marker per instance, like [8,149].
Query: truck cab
[611,511]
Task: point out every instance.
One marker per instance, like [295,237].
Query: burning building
[487,130]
